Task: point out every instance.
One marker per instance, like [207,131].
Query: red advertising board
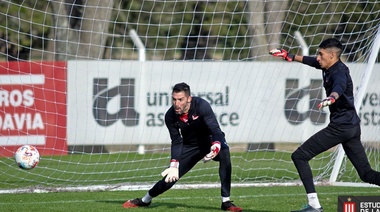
[33,107]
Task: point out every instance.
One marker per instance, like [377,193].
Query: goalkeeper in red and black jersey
[195,135]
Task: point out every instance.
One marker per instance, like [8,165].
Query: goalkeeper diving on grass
[195,135]
[344,126]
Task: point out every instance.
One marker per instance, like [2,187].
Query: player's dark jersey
[200,130]
[337,79]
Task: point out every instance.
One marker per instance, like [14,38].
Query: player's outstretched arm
[282,53]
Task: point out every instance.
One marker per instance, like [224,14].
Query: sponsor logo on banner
[103,95]
[33,106]
[294,95]
[124,94]
[359,204]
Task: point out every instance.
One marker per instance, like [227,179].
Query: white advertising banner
[124,102]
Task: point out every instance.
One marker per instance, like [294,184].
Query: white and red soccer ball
[27,157]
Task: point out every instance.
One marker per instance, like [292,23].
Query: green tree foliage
[165,26]
[354,23]
[176,30]
[24,25]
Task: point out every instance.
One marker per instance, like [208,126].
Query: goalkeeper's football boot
[135,203]
[309,208]
[229,206]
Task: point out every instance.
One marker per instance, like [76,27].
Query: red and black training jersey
[201,127]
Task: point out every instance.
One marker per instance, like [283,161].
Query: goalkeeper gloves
[215,148]
[282,53]
[326,102]
[171,173]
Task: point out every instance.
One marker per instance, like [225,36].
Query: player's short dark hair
[332,43]
[182,87]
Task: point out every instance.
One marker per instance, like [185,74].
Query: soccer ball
[27,157]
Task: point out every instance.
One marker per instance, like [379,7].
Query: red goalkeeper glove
[215,148]
[171,173]
[326,102]
[282,53]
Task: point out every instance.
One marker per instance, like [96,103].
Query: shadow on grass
[162,206]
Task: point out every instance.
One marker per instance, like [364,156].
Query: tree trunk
[265,36]
[94,30]
[87,37]
[257,29]
[275,11]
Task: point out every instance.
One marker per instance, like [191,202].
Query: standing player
[344,126]
[193,130]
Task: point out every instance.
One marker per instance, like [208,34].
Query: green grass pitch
[88,169]
[254,199]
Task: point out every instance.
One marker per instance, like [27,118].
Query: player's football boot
[135,203]
[309,208]
[229,206]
